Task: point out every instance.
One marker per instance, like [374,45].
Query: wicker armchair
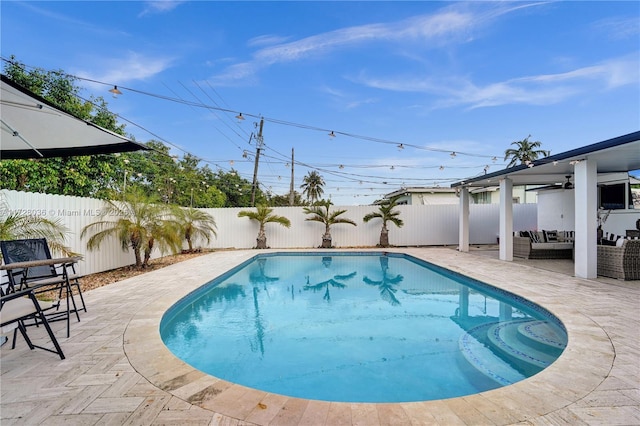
[620,262]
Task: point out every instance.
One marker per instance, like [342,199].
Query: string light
[115,91]
[240,116]
[332,134]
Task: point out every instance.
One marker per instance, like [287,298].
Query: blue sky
[436,77]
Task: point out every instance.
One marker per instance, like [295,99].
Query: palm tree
[18,225]
[525,152]
[139,225]
[320,213]
[195,224]
[263,215]
[164,231]
[313,186]
[387,213]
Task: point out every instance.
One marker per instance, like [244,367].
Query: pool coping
[571,378]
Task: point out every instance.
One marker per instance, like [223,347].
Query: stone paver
[118,371]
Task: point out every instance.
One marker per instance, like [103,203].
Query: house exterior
[491,195]
[422,195]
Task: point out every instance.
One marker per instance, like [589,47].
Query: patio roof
[616,156]
[620,154]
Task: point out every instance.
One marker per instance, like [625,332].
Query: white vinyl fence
[424,225]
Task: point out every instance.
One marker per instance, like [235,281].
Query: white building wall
[423,225]
[556,210]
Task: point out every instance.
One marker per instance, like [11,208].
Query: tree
[80,176]
[139,224]
[386,213]
[237,189]
[194,224]
[313,186]
[284,201]
[18,225]
[320,213]
[525,152]
[264,215]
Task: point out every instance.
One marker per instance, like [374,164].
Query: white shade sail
[34,128]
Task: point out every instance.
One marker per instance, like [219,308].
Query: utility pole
[255,166]
[291,197]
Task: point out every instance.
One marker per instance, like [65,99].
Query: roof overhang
[32,127]
[621,154]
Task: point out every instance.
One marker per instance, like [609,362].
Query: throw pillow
[525,234]
[606,242]
[535,238]
[550,236]
[620,242]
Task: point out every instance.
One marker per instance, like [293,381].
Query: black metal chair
[44,278]
[17,307]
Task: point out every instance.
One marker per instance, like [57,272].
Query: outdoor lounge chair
[621,262]
[53,278]
[19,306]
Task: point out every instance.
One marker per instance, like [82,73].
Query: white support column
[463,219]
[586,211]
[506,219]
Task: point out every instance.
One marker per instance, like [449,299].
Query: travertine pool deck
[118,371]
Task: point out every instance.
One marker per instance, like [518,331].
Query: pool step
[543,335]
[483,359]
[526,343]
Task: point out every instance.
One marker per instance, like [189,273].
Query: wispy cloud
[266,40]
[67,20]
[347,100]
[449,25]
[133,66]
[162,6]
[543,89]
[618,28]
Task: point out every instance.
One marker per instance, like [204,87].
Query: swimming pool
[364,327]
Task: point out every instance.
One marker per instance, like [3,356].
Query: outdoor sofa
[543,244]
[621,261]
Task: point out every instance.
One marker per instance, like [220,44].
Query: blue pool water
[363,327]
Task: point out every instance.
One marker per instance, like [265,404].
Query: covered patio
[118,371]
[583,166]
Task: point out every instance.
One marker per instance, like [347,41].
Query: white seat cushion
[16,308]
